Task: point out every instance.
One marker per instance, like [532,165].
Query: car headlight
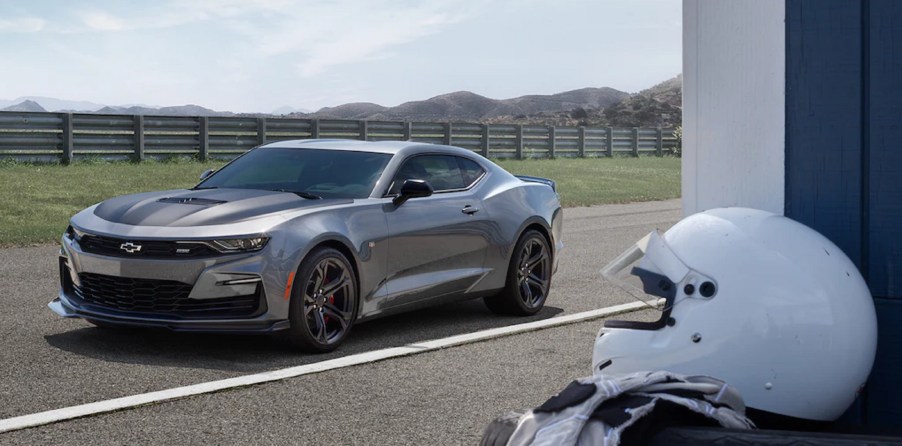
[74,233]
[255,243]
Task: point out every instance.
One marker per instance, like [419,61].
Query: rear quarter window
[470,171]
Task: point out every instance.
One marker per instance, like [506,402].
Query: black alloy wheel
[323,301]
[528,278]
[533,272]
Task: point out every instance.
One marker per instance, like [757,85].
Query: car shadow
[255,353]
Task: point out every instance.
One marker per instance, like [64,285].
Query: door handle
[469,210]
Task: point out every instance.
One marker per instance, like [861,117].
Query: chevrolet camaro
[306,238]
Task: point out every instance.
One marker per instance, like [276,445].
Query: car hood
[202,207]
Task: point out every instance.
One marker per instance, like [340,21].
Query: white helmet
[755,299]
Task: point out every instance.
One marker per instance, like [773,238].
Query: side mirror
[412,189]
[206,174]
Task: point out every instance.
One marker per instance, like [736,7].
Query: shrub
[678,145]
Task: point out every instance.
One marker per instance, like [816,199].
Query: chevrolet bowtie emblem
[130,247]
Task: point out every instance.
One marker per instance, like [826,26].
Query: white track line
[127,402]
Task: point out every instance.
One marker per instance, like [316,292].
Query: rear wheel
[323,301]
[528,277]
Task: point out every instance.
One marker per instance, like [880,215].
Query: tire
[323,302]
[528,278]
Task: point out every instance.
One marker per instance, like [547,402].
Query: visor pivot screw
[696,337]
[707,289]
[768,386]
[689,289]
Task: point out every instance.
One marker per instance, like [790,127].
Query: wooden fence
[68,136]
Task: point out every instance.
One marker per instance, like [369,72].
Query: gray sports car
[305,238]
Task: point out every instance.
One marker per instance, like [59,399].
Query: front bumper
[65,308]
[229,293]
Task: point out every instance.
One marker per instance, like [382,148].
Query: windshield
[310,173]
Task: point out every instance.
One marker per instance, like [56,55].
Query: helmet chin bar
[653,284]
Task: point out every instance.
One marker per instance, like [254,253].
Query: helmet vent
[605,364]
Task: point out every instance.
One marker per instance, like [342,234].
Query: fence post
[485,140]
[407,131]
[518,143]
[552,143]
[261,130]
[139,137]
[314,129]
[581,144]
[610,142]
[203,134]
[68,139]
[364,130]
[636,141]
[660,143]
[447,135]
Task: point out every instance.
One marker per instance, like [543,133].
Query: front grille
[117,247]
[159,298]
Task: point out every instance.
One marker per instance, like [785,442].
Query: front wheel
[323,302]
[528,278]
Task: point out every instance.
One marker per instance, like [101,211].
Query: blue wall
[844,158]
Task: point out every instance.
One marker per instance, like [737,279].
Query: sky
[259,55]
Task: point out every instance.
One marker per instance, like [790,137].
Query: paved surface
[444,397]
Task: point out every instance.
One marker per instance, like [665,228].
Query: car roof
[389,147]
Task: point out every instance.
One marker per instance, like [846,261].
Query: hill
[179,110]
[669,92]
[25,106]
[354,110]
[469,106]
[660,105]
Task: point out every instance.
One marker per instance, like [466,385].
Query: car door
[437,244]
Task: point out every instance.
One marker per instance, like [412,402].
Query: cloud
[255,55]
[317,35]
[22,25]
[103,21]
[323,35]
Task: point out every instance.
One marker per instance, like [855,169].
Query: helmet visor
[649,271]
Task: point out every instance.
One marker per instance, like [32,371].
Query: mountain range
[659,105]
[464,105]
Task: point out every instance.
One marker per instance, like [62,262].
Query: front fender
[361,229]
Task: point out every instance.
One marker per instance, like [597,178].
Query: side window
[443,172]
[412,169]
[470,171]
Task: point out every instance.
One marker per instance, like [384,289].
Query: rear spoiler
[545,181]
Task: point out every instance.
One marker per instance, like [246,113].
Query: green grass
[37,200]
[590,181]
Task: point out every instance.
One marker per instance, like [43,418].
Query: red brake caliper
[331,302]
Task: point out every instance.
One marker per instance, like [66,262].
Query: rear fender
[541,180]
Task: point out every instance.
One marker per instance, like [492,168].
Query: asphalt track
[440,397]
